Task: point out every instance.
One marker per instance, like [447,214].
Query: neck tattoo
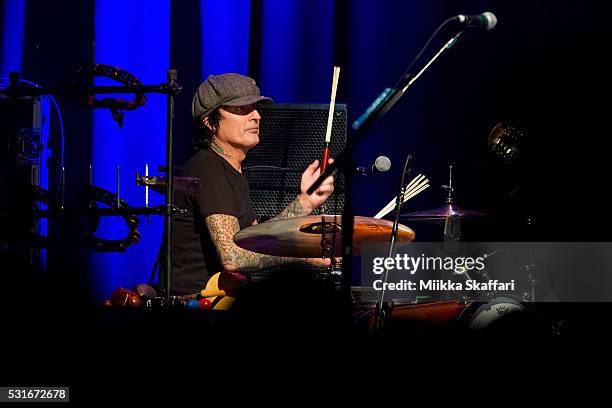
[219,149]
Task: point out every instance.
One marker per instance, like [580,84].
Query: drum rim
[468,314]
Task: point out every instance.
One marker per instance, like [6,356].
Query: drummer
[227,122]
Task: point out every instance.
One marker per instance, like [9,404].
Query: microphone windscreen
[382,163]
[491,20]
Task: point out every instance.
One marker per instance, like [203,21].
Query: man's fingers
[325,189]
[313,167]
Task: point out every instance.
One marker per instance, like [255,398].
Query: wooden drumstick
[330,119]
[413,190]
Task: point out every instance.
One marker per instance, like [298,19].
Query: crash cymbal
[441,213]
[300,237]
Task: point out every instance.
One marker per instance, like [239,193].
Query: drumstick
[386,211]
[330,119]
[407,197]
[415,180]
[419,180]
[415,192]
[416,189]
[408,187]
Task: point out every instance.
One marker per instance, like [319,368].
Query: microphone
[380,165]
[486,20]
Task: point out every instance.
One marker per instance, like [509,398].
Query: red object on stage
[205,304]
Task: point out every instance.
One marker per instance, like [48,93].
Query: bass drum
[505,314]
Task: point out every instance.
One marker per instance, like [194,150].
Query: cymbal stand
[328,246]
[529,269]
[452,224]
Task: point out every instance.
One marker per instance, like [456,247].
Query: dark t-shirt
[223,190]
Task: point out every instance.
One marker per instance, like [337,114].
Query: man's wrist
[305,203]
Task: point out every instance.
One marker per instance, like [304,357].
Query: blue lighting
[296,50]
[225,36]
[134,36]
[13,36]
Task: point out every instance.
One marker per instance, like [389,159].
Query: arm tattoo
[222,229]
[294,209]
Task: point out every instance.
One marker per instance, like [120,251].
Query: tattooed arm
[297,208]
[304,203]
[222,228]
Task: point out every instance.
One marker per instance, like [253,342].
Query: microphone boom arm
[378,110]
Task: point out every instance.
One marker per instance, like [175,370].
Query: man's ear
[207,124]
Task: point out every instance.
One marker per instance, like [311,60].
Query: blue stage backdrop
[140,46]
[296,50]
[225,36]
[13,26]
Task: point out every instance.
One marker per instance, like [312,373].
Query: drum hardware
[442,214]
[82,85]
[116,207]
[189,185]
[529,269]
[328,244]
[133,85]
[97,194]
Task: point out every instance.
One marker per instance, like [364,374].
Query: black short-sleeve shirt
[223,190]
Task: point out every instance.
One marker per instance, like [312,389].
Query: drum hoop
[475,308]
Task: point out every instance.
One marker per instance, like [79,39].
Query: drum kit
[320,236]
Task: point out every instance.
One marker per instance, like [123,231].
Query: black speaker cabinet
[291,137]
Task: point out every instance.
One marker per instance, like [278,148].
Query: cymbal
[441,213]
[300,237]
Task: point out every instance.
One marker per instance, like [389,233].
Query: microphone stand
[381,105]
[171,87]
[392,239]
